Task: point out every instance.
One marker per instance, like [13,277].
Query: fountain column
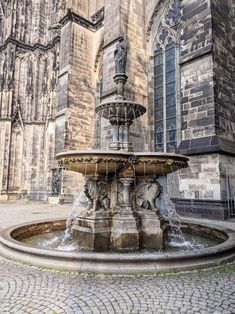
[120,79]
[124,231]
[127,182]
[115,144]
[126,144]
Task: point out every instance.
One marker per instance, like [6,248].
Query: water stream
[176,237]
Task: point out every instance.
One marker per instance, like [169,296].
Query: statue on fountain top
[120,56]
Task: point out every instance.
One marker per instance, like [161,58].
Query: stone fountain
[117,209]
[121,187]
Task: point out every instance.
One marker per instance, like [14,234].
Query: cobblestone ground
[25,289]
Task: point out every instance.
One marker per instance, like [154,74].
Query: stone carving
[163,35]
[98,193]
[55,60]
[146,194]
[17,119]
[98,16]
[120,56]
[10,69]
[29,84]
[4,71]
[172,16]
[56,181]
[7,70]
[45,78]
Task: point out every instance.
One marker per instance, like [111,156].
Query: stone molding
[11,40]
[196,54]
[154,15]
[205,145]
[73,17]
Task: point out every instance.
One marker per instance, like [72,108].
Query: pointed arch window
[165,93]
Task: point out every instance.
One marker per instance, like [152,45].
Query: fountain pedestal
[124,231]
[92,233]
[120,79]
[151,234]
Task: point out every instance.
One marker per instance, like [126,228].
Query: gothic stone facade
[56,64]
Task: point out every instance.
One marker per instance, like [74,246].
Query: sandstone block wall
[28,76]
[39,115]
[224,68]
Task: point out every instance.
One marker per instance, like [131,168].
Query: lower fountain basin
[125,263]
[97,162]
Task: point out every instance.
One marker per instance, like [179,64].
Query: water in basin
[62,241]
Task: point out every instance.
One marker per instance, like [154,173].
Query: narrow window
[165,95]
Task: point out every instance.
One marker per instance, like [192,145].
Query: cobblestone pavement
[25,289]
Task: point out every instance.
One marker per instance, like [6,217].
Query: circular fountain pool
[45,244]
[62,241]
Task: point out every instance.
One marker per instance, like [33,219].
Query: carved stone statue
[56,181]
[120,56]
[98,193]
[146,194]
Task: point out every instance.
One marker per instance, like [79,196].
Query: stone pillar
[126,144]
[120,79]
[5,136]
[124,231]
[151,235]
[115,144]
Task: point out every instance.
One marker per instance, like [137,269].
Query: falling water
[64,241]
[81,204]
[176,236]
[172,215]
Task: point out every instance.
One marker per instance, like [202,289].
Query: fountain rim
[120,154]
[119,101]
[9,245]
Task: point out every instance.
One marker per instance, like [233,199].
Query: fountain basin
[120,110]
[123,263]
[98,162]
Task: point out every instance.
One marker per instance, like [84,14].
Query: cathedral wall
[227,170]
[197,102]
[197,88]
[81,90]
[224,70]
[199,190]
[126,19]
[28,63]
[5,135]
[76,96]
[20,25]
[85,8]
[202,179]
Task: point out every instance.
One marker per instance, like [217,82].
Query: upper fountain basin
[120,110]
[98,162]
